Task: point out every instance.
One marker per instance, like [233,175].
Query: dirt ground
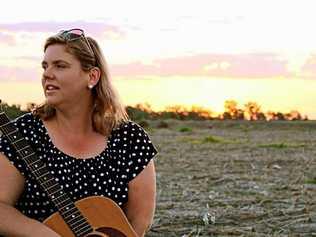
[235,178]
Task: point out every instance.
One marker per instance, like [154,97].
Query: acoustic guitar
[93,216]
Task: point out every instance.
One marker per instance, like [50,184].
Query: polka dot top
[129,149]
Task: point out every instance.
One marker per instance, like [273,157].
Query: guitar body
[103,214]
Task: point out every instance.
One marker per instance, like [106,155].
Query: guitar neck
[47,181]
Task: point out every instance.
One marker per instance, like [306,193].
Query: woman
[84,136]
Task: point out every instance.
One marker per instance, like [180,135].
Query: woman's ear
[94,76]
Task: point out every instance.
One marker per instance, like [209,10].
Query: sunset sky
[167,52]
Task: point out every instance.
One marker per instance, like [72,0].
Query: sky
[191,52]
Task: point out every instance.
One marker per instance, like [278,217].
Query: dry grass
[235,178]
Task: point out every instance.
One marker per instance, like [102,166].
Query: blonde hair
[108,111]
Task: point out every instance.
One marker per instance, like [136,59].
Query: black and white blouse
[129,149]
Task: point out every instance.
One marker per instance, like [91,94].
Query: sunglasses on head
[75,34]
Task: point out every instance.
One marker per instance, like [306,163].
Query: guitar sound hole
[106,232]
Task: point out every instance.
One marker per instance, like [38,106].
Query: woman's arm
[12,221]
[141,204]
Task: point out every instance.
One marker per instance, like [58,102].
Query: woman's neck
[77,121]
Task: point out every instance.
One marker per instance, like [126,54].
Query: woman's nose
[48,73]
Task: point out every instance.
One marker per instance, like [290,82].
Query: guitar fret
[29,158]
[60,203]
[60,198]
[9,134]
[76,212]
[13,135]
[55,185]
[38,168]
[21,139]
[25,157]
[57,191]
[61,209]
[38,160]
[85,232]
[25,150]
[8,127]
[51,186]
[78,219]
[49,180]
[3,117]
[73,208]
[82,228]
[19,143]
[43,175]
[40,175]
[45,179]
[2,126]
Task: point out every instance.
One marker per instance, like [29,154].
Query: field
[235,178]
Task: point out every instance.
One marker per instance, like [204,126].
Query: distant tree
[200,112]
[232,111]
[226,115]
[12,111]
[252,110]
[240,114]
[279,116]
[230,107]
[136,113]
[293,115]
[146,107]
[261,116]
[270,115]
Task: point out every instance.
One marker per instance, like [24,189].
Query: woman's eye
[57,66]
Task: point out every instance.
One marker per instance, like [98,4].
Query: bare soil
[235,178]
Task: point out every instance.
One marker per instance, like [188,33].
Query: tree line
[250,111]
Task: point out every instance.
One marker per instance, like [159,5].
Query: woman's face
[63,80]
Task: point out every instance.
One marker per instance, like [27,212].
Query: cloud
[18,74]
[255,65]
[309,68]
[264,65]
[7,39]
[96,29]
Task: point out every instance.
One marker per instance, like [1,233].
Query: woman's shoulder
[29,125]
[25,118]
[140,149]
[133,134]
[129,127]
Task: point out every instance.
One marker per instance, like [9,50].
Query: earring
[90,86]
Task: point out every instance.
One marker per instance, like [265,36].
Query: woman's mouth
[51,88]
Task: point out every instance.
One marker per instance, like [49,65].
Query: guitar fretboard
[47,181]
